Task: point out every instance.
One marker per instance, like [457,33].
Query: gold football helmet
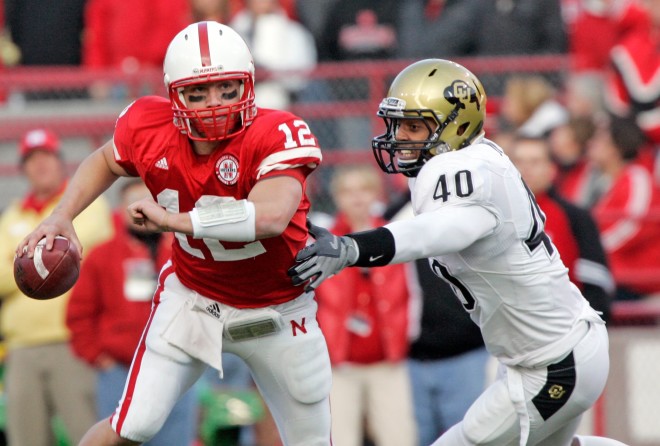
[443,95]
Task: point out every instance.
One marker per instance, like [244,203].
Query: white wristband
[233,221]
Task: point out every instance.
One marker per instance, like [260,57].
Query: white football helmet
[210,52]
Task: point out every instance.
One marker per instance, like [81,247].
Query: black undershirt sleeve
[376,247]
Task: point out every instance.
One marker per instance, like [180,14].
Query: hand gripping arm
[322,259]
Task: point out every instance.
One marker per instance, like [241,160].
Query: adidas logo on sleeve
[162,164]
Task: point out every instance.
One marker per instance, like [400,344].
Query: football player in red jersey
[229,180]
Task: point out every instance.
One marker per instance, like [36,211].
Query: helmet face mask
[450,101]
[407,156]
[210,53]
[217,122]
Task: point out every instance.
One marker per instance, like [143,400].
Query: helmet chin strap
[441,128]
[441,146]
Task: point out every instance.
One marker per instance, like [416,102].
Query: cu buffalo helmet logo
[459,93]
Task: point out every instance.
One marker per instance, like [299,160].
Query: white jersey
[509,277]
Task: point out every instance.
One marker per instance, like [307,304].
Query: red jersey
[592,36]
[635,84]
[130,34]
[243,275]
[627,216]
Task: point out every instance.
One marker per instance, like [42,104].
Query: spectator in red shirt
[594,27]
[627,212]
[572,229]
[364,314]
[634,84]
[110,305]
[130,35]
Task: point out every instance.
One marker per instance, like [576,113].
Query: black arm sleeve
[376,247]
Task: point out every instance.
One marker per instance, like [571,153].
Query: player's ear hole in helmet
[203,53]
[443,96]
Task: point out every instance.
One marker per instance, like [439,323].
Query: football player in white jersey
[483,233]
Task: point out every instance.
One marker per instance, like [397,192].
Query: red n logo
[295,327]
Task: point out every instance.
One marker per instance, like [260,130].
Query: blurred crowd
[587,146]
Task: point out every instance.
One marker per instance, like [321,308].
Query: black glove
[323,258]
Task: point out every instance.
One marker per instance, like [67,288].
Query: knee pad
[308,374]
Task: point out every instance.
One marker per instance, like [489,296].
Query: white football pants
[291,367]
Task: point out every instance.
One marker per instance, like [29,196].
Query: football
[49,273]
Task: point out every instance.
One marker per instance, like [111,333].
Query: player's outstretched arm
[397,242]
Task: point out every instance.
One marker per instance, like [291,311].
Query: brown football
[49,273]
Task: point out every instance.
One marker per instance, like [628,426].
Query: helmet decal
[394,103]
[204,51]
[460,92]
